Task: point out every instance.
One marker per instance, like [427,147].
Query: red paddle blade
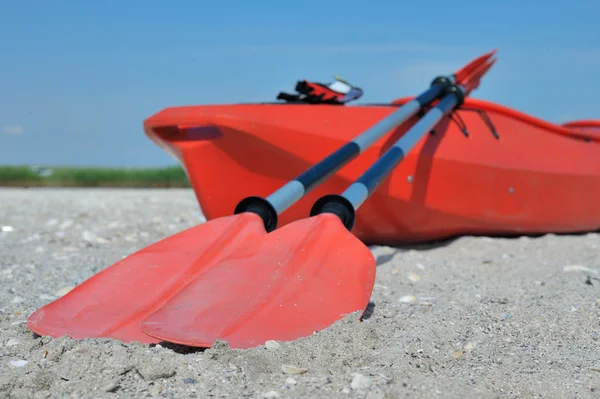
[468,69]
[112,303]
[472,81]
[296,280]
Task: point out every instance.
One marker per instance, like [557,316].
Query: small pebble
[293,369]
[360,381]
[272,345]
[155,390]
[469,346]
[88,236]
[17,299]
[112,387]
[408,299]
[7,229]
[579,268]
[63,291]
[414,277]
[290,381]
[18,363]
[12,342]
[65,225]
[271,395]
[32,238]
[131,238]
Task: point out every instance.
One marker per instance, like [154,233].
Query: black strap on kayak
[484,117]
[460,123]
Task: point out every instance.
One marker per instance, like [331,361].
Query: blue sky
[77,78]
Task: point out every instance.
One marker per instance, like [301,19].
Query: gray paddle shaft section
[295,189]
[358,192]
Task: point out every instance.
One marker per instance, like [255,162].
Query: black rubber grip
[337,205]
[262,208]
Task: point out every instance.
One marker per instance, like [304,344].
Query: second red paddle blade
[296,280]
[112,303]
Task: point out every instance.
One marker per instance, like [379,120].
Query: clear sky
[77,78]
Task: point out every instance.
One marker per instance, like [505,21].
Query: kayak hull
[536,178]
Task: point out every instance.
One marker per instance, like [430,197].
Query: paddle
[270,207]
[301,277]
[113,302]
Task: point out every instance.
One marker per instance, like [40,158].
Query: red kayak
[487,170]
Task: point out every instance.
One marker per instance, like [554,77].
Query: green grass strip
[20,176]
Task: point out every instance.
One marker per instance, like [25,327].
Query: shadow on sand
[427,246]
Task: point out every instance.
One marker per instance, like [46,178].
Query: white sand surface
[475,317]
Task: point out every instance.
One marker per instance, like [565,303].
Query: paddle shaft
[346,204]
[268,208]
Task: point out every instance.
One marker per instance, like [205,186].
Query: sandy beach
[473,317]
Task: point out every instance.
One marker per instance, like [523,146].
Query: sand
[474,317]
